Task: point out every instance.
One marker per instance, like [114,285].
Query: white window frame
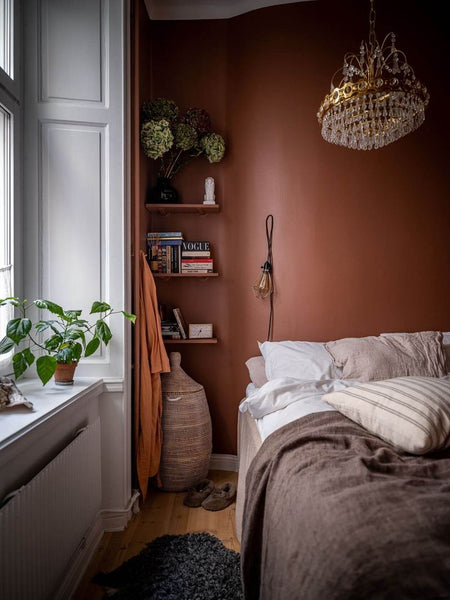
[11,100]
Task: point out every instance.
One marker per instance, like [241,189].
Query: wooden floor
[162,513]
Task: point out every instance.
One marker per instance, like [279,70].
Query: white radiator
[43,525]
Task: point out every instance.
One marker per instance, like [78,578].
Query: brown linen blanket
[334,513]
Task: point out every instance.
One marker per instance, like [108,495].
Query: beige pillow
[256,370]
[412,413]
[398,355]
[446,345]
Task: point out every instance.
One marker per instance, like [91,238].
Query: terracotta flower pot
[64,373]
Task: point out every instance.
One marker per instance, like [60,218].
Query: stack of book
[170,330]
[164,251]
[196,257]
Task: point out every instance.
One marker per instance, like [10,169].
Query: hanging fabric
[153,361]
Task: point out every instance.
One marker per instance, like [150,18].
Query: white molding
[114,385]
[224,462]
[173,10]
[117,519]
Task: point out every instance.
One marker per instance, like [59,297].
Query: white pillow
[412,413]
[299,360]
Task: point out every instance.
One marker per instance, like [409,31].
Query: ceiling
[205,9]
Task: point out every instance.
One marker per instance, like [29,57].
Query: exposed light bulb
[264,286]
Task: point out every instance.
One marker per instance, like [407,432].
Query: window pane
[5,219]
[6,36]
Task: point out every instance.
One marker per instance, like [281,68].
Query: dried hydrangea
[161,108]
[213,145]
[156,138]
[185,136]
[198,119]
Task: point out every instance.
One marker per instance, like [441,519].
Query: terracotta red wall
[361,239]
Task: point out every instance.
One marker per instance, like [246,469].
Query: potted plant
[63,339]
[175,140]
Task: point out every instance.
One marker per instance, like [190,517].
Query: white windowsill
[47,401]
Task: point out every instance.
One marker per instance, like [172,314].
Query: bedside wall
[360,239]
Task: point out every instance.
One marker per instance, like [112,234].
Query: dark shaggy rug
[195,566]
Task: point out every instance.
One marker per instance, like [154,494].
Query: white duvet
[280,401]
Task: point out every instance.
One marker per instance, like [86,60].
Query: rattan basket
[186,424]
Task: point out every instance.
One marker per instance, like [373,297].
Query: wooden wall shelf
[171,275]
[171,209]
[194,341]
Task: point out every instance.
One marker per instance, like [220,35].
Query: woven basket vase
[186,425]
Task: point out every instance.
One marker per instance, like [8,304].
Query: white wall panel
[73,50]
[72,197]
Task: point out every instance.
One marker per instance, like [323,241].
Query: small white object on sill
[209,197]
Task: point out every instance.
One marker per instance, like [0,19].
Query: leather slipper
[198,493]
[221,497]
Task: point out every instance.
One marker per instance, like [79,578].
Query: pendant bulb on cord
[264,285]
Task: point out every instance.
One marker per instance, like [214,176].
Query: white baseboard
[106,520]
[223,462]
[117,520]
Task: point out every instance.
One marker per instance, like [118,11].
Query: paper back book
[182,325]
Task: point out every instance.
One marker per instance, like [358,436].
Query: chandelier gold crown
[378,99]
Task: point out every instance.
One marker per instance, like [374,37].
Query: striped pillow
[412,413]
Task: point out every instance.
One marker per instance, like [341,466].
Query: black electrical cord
[269,234]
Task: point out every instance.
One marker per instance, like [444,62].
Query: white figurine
[209,197]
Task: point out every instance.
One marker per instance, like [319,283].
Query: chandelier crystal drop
[378,99]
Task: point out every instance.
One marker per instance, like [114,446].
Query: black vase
[163,192]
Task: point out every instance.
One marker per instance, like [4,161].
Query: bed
[328,509]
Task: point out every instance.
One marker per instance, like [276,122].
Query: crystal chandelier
[378,99]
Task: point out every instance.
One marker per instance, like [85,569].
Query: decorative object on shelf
[186,425]
[174,141]
[264,286]
[163,192]
[68,337]
[209,197]
[378,99]
[10,395]
[200,331]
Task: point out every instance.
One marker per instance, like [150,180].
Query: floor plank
[162,513]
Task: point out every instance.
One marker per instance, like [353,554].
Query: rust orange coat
[148,399]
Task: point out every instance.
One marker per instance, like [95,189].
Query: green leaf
[72,314]
[17,329]
[77,351]
[46,367]
[103,332]
[20,364]
[80,322]
[29,356]
[51,306]
[53,342]
[6,345]
[99,307]
[10,300]
[42,326]
[92,346]
[75,334]
[129,316]
[65,354]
